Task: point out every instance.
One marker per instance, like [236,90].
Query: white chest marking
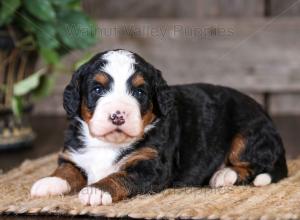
[96,162]
[97,157]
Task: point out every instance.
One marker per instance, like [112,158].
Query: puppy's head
[119,95]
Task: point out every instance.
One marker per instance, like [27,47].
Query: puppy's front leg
[141,172]
[114,187]
[65,179]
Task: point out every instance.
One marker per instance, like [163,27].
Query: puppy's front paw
[92,196]
[50,186]
[223,177]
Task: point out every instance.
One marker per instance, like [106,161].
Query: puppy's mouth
[117,136]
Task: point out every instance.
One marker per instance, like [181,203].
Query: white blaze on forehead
[120,66]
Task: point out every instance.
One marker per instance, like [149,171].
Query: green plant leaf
[45,87]
[44,32]
[17,106]
[76,30]
[49,55]
[26,22]
[41,9]
[66,2]
[26,85]
[46,35]
[7,10]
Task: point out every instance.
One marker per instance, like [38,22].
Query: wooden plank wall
[230,8]
[190,8]
[257,56]
[286,8]
[172,8]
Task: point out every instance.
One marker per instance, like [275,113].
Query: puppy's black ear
[72,97]
[164,98]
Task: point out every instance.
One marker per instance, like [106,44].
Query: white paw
[262,179]
[93,196]
[223,177]
[50,186]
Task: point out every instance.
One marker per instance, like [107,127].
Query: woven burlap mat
[280,201]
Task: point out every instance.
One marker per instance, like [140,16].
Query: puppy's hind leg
[252,159]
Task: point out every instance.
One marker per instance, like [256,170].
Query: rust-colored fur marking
[115,184]
[145,153]
[138,80]
[101,78]
[85,112]
[118,184]
[72,175]
[65,155]
[148,117]
[234,158]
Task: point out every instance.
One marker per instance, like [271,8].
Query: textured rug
[280,201]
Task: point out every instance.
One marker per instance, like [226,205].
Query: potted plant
[32,29]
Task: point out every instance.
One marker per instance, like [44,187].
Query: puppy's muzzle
[116,120]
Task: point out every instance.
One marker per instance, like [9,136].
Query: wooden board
[230,8]
[140,9]
[284,8]
[173,8]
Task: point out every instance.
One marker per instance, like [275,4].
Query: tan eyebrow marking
[102,78]
[138,80]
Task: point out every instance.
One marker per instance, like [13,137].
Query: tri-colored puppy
[130,133]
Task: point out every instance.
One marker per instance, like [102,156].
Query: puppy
[130,133]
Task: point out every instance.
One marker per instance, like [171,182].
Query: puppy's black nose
[117,118]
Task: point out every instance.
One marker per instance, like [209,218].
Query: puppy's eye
[139,93]
[97,90]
